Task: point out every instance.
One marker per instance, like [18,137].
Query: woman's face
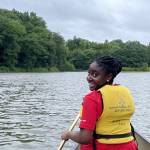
[97,76]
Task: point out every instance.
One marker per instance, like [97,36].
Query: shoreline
[51,70]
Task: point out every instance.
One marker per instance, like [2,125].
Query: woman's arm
[83,136]
[92,109]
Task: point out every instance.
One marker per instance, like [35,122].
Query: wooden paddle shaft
[70,129]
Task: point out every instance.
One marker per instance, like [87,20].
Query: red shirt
[91,110]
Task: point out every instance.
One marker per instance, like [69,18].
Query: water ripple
[36,107]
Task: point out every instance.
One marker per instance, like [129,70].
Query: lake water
[36,107]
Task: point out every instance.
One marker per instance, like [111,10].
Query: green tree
[10,33]
[61,51]
[133,54]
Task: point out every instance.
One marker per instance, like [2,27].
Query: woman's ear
[109,77]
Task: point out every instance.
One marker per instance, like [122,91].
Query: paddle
[70,129]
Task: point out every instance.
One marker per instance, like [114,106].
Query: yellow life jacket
[113,126]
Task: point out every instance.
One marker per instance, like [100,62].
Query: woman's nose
[88,78]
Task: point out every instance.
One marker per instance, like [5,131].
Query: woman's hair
[110,65]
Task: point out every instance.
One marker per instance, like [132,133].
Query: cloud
[94,20]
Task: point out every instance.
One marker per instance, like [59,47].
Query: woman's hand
[83,136]
[65,135]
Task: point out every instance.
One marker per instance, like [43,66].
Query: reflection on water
[36,107]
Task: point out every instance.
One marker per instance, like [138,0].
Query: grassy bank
[9,70]
[54,69]
[136,69]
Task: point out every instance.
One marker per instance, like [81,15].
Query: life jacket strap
[101,136]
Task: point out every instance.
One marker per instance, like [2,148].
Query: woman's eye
[94,74]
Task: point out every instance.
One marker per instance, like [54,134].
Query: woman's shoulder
[93,95]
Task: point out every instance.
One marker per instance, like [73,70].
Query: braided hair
[110,65]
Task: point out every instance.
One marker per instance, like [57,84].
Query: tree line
[26,44]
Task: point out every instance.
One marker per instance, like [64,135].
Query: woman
[106,110]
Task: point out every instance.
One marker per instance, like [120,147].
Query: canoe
[143,144]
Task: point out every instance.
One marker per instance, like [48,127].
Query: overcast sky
[94,20]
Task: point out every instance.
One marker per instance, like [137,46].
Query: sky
[93,20]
